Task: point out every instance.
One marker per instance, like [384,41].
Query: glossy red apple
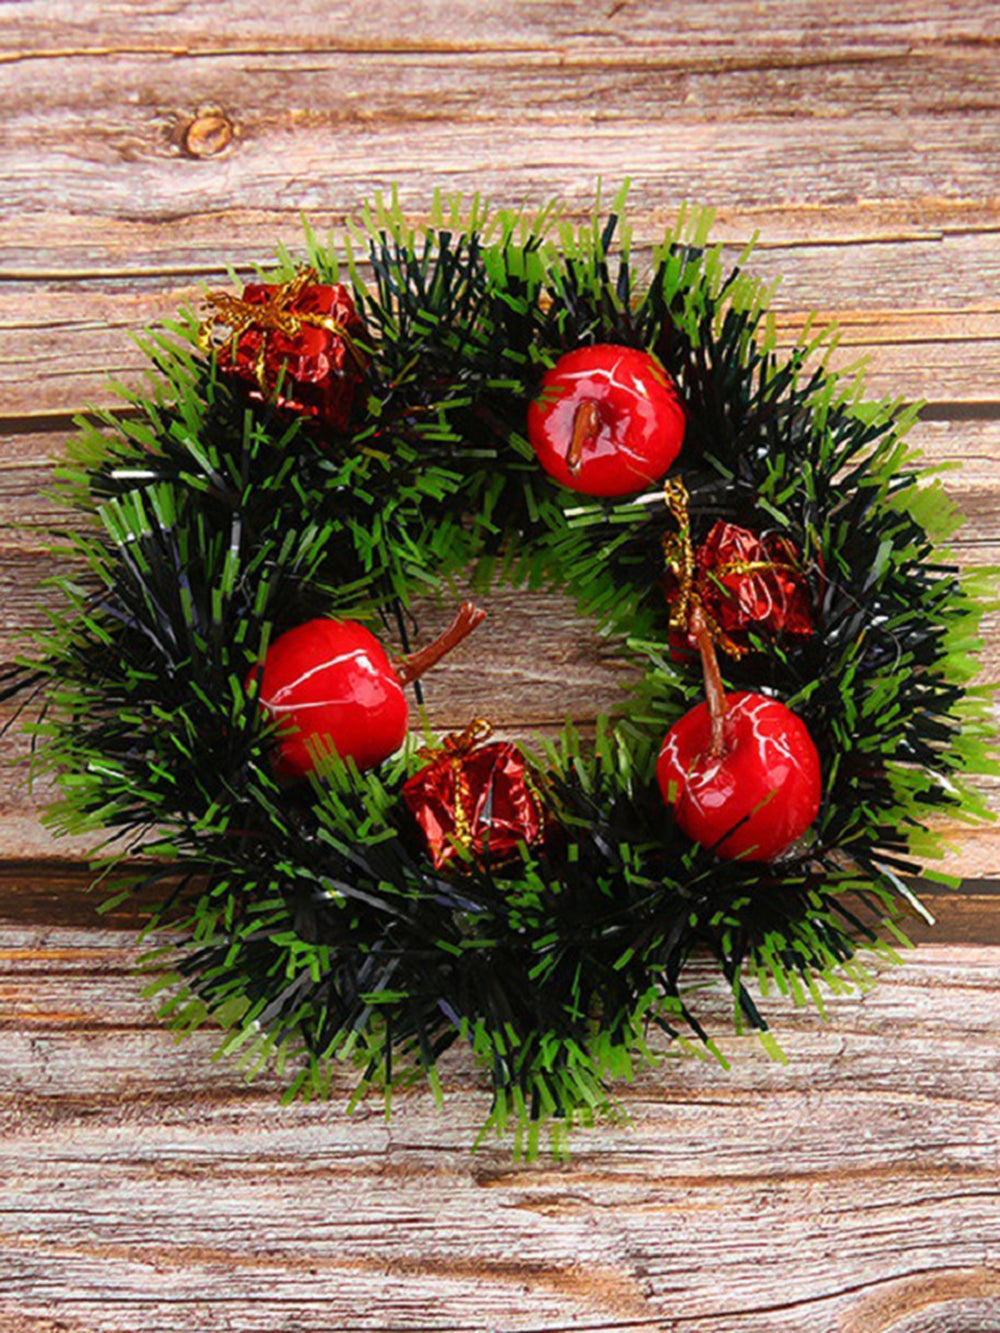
[750,796]
[330,684]
[608,421]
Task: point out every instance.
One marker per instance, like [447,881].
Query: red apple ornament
[740,770]
[759,795]
[331,684]
[608,421]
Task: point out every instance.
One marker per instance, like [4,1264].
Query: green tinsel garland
[312,924]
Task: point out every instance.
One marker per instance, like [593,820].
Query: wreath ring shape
[497,395]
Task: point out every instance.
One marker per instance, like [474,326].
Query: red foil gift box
[739,579]
[293,343]
[477,797]
[746,581]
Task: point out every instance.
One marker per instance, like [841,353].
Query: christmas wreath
[488,396]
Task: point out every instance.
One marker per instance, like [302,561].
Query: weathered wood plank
[138,104]
[36,895]
[923,313]
[366,85]
[868,157]
[142,1183]
[74,247]
[529,636]
[479,25]
[945,359]
[533,663]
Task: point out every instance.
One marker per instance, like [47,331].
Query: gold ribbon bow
[678,553]
[276,314]
[458,744]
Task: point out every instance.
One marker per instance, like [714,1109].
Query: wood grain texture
[922,313]
[863,150]
[60,349]
[143,1185]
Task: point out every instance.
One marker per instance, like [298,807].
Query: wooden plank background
[143,1185]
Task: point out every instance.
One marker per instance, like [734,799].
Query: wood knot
[208,134]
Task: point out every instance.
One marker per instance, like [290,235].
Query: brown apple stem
[715,692]
[412,667]
[586,423]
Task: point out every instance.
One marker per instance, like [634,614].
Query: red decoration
[608,421]
[754,797]
[331,682]
[332,685]
[476,797]
[741,581]
[740,770]
[749,582]
[294,343]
